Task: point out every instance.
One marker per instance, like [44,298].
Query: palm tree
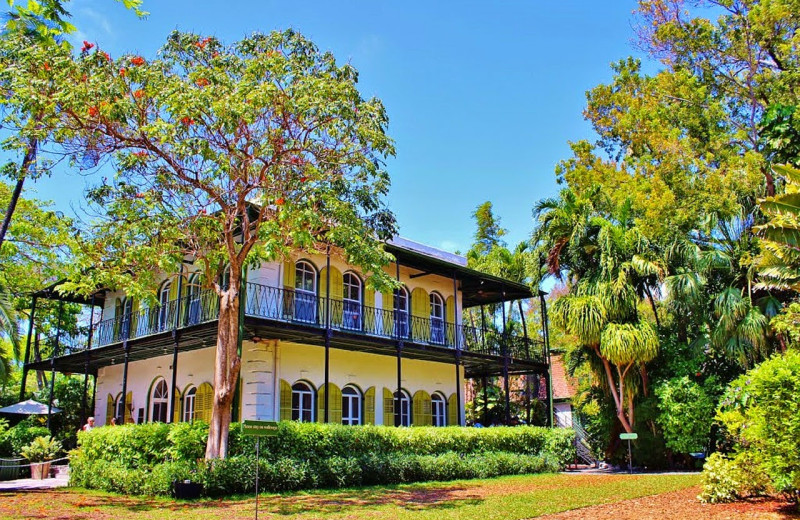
[8,328]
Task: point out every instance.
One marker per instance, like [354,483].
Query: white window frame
[351,406]
[351,308]
[401,315]
[438,410]
[188,404]
[163,305]
[300,410]
[160,401]
[403,408]
[437,319]
[305,300]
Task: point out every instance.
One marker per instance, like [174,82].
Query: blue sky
[483,97]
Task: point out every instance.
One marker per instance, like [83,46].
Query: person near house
[89,424]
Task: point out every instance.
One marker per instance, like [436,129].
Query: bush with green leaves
[725,479]
[760,411]
[21,435]
[685,414]
[41,449]
[145,459]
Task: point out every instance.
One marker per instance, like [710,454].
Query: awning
[29,407]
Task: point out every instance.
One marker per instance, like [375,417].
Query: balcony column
[458,348]
[483,328]
[86,360]
[506,385]
[327,394]
[548,374]
[175,341]
[27,359]
[127,350]
[399,394]
[485,401]
[53,362]
[528,358]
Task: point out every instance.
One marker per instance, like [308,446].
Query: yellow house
[317,344]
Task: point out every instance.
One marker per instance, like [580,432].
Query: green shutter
[288,275]
[452,411]
[109,408]
[334,404]
[422,409]
[369,318]
[203,402]
[126,418]
[450,326]
[421,314]
[336,294]
[134,318]
[288,299]
[369,406]
[286,401]
[176,398]
[388,407]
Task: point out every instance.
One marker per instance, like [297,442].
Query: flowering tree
[228,155]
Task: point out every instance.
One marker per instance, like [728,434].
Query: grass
[505,497]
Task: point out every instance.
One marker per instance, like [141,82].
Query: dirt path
[680,505]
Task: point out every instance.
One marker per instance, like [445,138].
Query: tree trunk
[226,369]
[30,156]
[619,402]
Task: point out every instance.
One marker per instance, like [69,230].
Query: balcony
[278,312]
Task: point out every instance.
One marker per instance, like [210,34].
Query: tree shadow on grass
[318,502]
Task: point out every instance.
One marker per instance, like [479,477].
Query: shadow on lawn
[318,502]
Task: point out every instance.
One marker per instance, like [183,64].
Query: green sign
[259,428]
[628,436]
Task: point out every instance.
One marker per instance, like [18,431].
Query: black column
[125,384]
[548,378]
[175,342]
[506,385]
[87,355]
[53,362]
[457,341]
[327,395]
[528,357]
[485,402]
[27,359]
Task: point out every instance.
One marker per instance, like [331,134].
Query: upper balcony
[292,315]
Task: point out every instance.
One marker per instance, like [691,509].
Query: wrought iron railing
[307,309]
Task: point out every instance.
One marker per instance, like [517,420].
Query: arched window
[305,292]
[193,295]
[119,409]
[437,319]
[351,406]
[351,301]
[164,306]
[302,402]
[402,407]
[159,402]
[401,312]
[438,410]
[188,404]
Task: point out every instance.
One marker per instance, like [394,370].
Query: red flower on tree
[138,94]
[280,201]
[107,56]
[141,154]
[93,111]
[201,82]
[86,46]
[122,72]
[187,121]
[137,60]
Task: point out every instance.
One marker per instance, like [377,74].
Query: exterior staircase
[582,438]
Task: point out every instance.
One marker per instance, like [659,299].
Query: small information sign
[628,436]
[259,428]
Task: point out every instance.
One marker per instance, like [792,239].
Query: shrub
[726,480]
[130,445]
[41,449]
[761,412]
[686,413]
[187,441]
[22,435]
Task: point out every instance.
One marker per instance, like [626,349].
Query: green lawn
[500,498]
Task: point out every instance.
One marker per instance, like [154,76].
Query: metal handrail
[308,309]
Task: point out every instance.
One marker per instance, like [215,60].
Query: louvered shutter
[422,409]
[421,312]
[286,401]
[321,403]
[109,409]
[388,407]
[370,322]
[203,403]
[135,319]
[288,296]
[176,398]
[127,411]
[369,406]
[452,411]
[336,294]
[334,404]
[450,312]
[387,315]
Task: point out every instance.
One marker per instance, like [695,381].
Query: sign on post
[259,429]
[629,437]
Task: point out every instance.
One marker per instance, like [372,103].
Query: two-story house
[309,324]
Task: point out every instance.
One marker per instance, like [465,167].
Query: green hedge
[145,459]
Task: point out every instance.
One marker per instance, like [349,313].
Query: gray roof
[426,250]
